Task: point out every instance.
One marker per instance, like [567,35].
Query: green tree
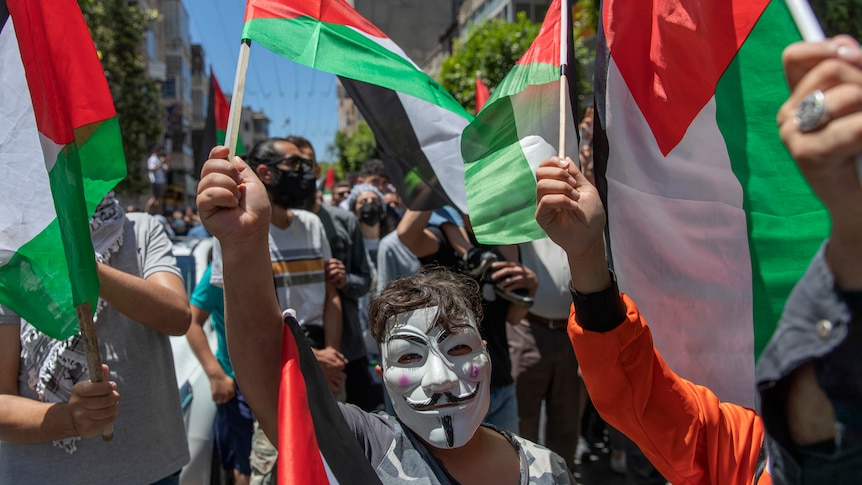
[839,16]
[355,148]
[118,32]
[489,49]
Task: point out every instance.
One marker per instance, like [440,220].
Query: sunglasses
[293,162]
[342,193]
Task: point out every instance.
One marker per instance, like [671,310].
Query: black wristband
[601,311]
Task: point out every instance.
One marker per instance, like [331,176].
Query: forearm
[680,427]
[332,318]
[25,421]
[254,327]
[158,302]
[200,347]
[411,232]
[844,255]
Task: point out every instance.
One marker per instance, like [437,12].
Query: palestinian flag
[482,93]
[710,221]
[61,152]
[328,184]
[518,128]
[417,123]
[322,449]
[215,127]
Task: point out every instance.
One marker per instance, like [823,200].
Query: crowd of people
[449,360]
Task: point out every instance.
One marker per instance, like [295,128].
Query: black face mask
[292,188]
[370,214]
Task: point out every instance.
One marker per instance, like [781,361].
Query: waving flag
[322,449]
[517,129]
[216,124]
[417,123]
[710,221]
[61,152]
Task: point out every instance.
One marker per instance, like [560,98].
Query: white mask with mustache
[439,381]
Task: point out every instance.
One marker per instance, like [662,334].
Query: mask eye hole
[459,350]
[409,359]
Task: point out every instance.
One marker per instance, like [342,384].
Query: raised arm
[803,374]
[682,428]
[234,207]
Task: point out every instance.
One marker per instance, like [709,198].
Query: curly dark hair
[456,295]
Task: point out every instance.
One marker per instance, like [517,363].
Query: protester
[340,192]
[429,329]
[157,171]
[810,390]
[544,366]
[349,271]
[44,393]
[298,253]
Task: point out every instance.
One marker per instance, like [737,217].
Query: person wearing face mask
[297,251]
[435,366]
[366,202]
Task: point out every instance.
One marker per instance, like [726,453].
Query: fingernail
[562,162]
[849,53]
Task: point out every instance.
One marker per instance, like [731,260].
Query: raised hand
[232,201]
[826,151]
[568,207]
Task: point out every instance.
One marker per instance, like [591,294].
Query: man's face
[439,381]
[379,181]
[289,177]
[340,194]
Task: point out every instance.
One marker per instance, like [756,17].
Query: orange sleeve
[682,428]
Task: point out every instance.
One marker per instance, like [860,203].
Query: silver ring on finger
[811,112]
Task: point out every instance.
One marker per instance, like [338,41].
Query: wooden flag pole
[91,350]
[563,87]
[565,30]
[233,118]
[811,31]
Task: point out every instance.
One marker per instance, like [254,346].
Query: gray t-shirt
[149,433]
[398,457]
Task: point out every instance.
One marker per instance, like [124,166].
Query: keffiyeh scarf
[54,366]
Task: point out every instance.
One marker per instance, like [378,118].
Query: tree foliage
[489,50]
[492,49]
[118,31]
[839,16]
[355,148]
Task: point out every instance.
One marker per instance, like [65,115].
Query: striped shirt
[298,254]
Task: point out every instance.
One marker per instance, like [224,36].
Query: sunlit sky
[297,100]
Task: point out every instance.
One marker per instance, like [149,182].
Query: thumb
[219,151]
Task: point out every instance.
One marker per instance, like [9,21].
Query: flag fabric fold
[417,123]
[710,222]
[62,153]
[322,449]
[517,129]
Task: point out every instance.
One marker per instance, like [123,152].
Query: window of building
[169,88]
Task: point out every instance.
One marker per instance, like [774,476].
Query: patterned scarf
[54,366]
